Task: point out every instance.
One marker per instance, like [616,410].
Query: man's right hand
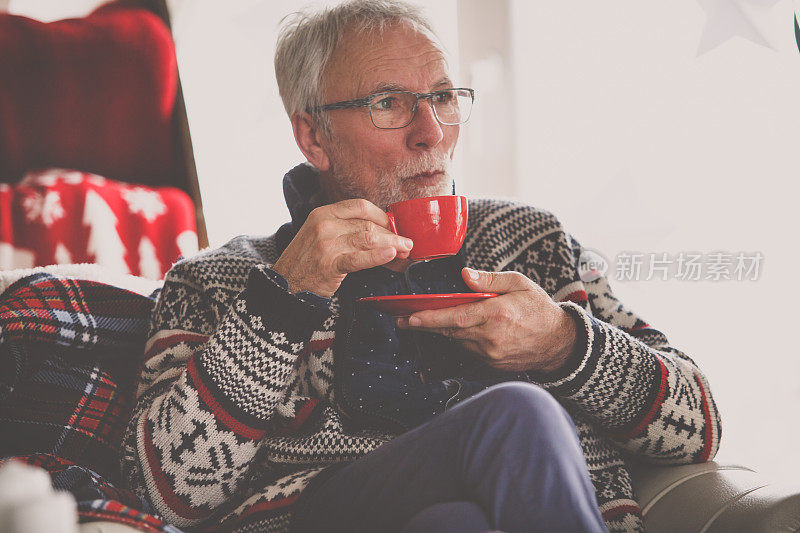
[335,240]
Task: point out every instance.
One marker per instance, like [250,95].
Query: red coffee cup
[436,224]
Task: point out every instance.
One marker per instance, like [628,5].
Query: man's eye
[384,104]
[443,98]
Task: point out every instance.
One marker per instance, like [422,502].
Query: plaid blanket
[69,356]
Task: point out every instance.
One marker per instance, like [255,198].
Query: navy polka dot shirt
[401,375]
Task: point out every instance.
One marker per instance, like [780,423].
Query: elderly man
[270,400]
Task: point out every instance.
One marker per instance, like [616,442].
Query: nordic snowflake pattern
[52,176]
[63,216]
[145,202]
[45,207]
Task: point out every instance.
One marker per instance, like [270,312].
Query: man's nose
[424,132]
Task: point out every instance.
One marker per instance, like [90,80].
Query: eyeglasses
[392,110]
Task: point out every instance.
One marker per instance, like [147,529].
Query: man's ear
[308,136]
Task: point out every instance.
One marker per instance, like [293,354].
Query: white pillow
[87,271]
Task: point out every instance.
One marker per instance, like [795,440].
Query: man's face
[386,166]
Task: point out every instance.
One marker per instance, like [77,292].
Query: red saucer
[406,304]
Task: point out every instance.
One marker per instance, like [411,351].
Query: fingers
[457,334]
[458,317]
[355,243]
[359,208]
[363,259]
[338,239]
[366,235]
[499,282]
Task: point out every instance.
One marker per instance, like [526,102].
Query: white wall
[48,10]
[638,144]
[487,142]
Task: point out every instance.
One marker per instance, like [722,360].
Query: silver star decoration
[725,20]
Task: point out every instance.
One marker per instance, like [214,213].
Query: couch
[714,498]
[708,497]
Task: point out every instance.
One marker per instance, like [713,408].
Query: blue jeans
[506,459]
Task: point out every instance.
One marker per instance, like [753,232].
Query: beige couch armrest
[713,498]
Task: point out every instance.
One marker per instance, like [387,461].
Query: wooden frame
[186,179]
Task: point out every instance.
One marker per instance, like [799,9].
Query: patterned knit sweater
[237,403]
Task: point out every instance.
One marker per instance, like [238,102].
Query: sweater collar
[303,192]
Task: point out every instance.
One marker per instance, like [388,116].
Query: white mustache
[412,170]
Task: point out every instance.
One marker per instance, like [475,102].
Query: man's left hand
[522,329]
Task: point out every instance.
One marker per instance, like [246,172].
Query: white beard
[390,185]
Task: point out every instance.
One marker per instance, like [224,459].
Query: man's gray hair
[307,40]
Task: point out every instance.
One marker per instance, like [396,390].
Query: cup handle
[392,224]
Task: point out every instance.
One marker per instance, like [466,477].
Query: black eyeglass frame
[366,101]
